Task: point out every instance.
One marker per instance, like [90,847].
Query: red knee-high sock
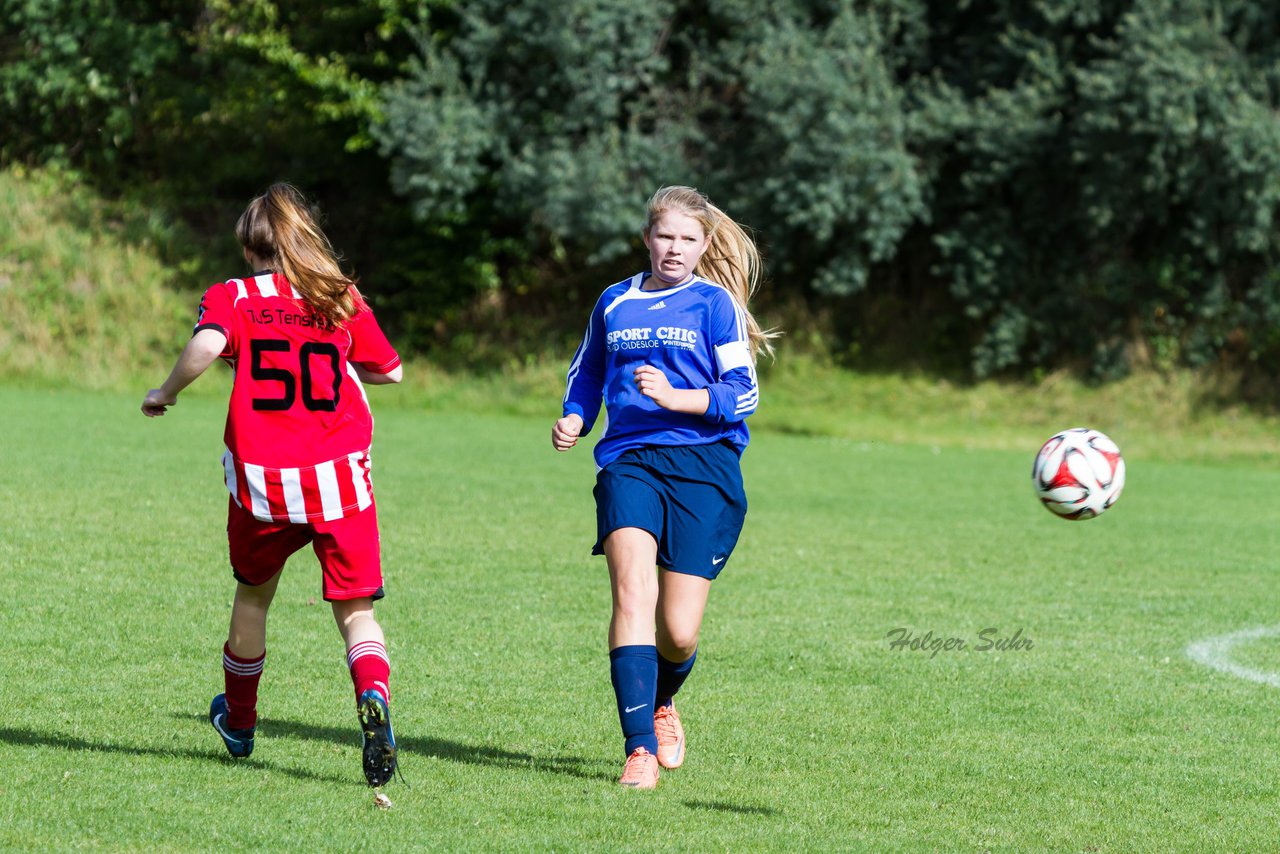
[370,668]
[241,677]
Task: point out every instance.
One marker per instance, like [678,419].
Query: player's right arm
[210,339]
[203,348]
[584,385]
[565,432]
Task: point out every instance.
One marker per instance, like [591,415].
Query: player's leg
[632,554]
[706,507]
[370,674]
[234,713]
[258,551]
[365,644]
[351,561]
[633,656]
[682,601]
[247,637]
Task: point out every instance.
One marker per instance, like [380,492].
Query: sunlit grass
[808,730]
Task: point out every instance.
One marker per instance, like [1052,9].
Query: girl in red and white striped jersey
[302,343]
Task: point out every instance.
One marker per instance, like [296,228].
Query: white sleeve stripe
[576,365]
[740,319]
[241,292]
[740,325]
[735,354]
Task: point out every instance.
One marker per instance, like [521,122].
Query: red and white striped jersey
[298,423]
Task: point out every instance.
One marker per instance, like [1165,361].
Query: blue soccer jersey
[696,334]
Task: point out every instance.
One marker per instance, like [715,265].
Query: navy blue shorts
[690,497]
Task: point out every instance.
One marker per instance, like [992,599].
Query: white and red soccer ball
[1078,473]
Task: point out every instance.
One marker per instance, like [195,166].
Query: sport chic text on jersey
[695,333]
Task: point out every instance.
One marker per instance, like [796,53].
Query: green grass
[807,731]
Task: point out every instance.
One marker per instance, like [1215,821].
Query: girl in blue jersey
[671,353]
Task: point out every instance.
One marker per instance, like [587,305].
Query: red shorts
[348,549]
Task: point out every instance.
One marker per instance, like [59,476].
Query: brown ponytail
[278,227]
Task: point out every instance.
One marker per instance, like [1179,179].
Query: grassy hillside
[85,296]
[89,300]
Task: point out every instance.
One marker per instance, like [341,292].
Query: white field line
[1215,652]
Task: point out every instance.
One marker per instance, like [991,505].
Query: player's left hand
[654,385]
[156,402]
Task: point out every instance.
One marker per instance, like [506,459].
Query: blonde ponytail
[732,259]
[278,227]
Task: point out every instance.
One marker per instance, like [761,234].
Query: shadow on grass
[68,742]
[472,754]
[721,806]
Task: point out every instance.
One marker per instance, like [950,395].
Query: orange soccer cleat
[641,771]
[666,723]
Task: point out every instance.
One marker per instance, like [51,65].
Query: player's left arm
[368,377]
[372,357]
[736,392]
[200,352]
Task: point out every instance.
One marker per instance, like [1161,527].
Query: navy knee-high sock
[671,676]
[634,673]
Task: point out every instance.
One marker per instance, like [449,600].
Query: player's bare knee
[677,644]
[349,611]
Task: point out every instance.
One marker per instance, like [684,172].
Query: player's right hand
[564,435]
[155,403]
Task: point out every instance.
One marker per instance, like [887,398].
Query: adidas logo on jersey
[661,304]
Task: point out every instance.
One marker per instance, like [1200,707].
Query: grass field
[807,730]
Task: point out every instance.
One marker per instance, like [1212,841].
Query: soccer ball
[1078,473]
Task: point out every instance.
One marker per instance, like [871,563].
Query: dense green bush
[1119,189]
[1009,187]
[1048,183]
